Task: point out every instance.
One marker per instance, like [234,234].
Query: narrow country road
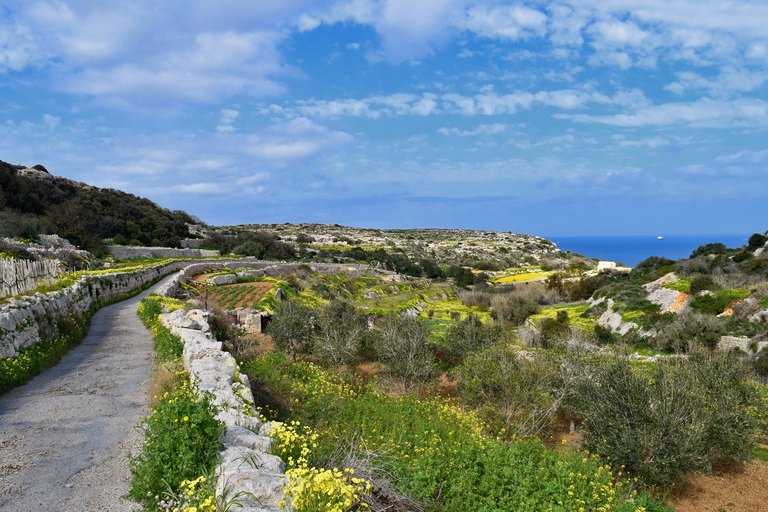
[66,436]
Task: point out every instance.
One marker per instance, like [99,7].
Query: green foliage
[514,386]
[85,216]
[688,330]
[469,335]
[672,418]
[15,371]
[756,241]
[181,442]
[435,454]
[715,248]
[292,327]
[342,331]
[514,308]
[403,346]
[700,283]
[710,304]
[168,346]
[717,302]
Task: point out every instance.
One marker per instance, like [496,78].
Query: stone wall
[131,252]
[247,471]
[34,318]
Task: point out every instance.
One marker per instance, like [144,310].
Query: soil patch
[730,488]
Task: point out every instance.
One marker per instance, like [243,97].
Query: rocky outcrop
[246,468]
[613,322]
[669,301]
[50,246]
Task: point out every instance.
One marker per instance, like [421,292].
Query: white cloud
[483,129]
[51,121]
[228,117]
[295,140]
[702,113]
[18,48]
[504,22]
[353,46]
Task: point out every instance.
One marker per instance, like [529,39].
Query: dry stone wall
[31,319]
[246,470]
[131,252]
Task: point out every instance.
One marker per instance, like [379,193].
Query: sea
[631,250]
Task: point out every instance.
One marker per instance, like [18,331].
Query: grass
[527,276]
[181,435]
[436,452]
[575,312]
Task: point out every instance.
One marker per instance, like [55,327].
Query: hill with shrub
[33,201]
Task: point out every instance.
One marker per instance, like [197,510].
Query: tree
[341,332]
[292,327]
[402,345]
[469,335]
[514,308]
[676,416]
[756,241]
[515,386]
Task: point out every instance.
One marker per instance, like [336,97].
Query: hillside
[403,249]
[33,201]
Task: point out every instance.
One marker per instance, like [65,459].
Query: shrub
[756,241]
[514,308]
[469,335]
[402,345]
[677,416]
[702,250]
[181,437]
[689,329]
[705,282]
[292,327]
[711,304]
[341,332]
[515,386]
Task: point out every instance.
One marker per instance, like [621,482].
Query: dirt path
[66,436]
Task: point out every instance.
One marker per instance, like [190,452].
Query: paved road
[66,437]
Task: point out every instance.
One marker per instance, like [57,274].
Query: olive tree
[341,331]
[469,335]
[292,327]
[402,344]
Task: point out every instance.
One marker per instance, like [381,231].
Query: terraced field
[242,295]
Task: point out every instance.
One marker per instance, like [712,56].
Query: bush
[402,345]
[756,241]
[663,421]
[467,336]
[514,308]
[292,327]
[702,250]
[711,304]
[515,386]
[181,438]
[341,332]
[700,283]
[688,330]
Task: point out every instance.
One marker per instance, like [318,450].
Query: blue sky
[591,117]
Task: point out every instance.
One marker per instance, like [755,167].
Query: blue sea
[631,250]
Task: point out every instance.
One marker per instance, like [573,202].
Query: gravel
[66,437]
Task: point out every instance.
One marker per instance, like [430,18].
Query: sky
[588,117]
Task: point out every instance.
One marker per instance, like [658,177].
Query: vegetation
[663,421]
[429,454]
[181,435]
[84,215]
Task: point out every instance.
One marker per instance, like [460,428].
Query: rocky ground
[67,436]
